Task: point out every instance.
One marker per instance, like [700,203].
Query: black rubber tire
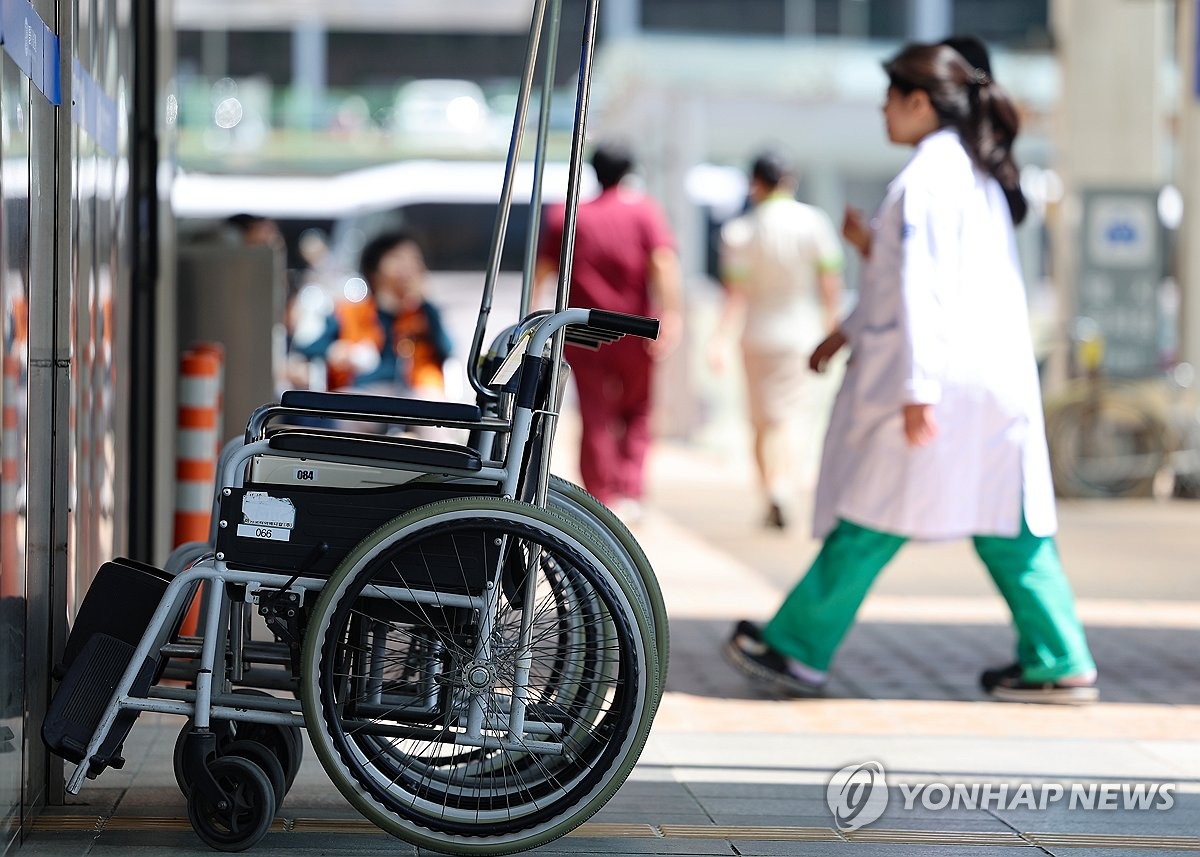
[286,742]
[491,811]
[183,777]
[247,821]
[572,495]
[264,757]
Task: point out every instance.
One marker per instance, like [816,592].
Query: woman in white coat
[937,432]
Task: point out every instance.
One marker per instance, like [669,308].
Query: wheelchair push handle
[592,327]
[623,323]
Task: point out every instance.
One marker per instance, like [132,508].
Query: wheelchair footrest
[83,697]
[119,603]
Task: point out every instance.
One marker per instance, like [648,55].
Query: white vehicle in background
[451,203]
[452,115]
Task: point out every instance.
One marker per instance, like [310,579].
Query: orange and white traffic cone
[217,350]
[197,442]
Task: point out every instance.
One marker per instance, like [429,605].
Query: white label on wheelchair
[512,360]
[305,474]
[267,517]
[258,531]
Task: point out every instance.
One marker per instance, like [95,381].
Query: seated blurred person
[389,340]
[258,231]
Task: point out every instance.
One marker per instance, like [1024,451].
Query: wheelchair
[474,648]
[477,674]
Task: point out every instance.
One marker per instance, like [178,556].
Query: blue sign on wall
[1120,276]
[32,45]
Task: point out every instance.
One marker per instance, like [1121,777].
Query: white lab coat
[941,319]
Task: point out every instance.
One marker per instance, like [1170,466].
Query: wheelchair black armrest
[402,450]
[385,406]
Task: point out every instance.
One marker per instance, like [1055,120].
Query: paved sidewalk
[731,771]
[904,690]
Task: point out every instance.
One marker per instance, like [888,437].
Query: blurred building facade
[267,86]
[371,39]
[696,86]
[336,67]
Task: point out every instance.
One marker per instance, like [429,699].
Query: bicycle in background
[1123,438]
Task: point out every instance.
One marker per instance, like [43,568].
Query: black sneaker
[1008,685]
[750,655]
[989,679]
[749,630]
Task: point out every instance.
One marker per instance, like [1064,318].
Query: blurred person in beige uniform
[781,266]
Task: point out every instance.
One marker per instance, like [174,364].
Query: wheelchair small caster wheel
[244,816]
[265,759]
[285,743]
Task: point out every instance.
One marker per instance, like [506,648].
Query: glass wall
[73,307]
[14,399]
[98,287]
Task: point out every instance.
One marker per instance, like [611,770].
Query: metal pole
[622,18]
[799,18]
[309,69]
[566,259]
[1188,23]
[930,20]
[502,211]
[582,99]
[535,201]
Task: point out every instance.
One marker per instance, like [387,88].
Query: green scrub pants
[816,615]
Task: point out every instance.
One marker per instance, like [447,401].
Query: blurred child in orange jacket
[391,339]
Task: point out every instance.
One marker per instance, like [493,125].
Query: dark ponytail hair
[968,100]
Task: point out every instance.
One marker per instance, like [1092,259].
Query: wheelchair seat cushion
[401,450]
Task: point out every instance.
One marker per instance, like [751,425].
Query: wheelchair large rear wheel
[397,672]
[571,498]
